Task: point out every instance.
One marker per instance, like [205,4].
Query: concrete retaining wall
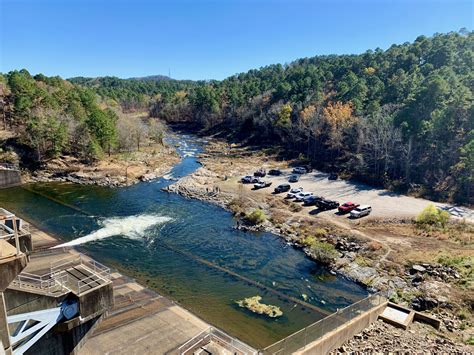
[340,335]
[9,178]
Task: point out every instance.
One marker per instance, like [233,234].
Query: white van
[361,211]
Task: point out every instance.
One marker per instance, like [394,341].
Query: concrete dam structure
[52,307]
[9,176]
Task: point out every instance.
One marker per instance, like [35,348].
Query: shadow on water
[194,256]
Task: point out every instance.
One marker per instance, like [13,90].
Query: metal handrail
[214,333]
[57,278]
[14,232]
[93,279]
[59,265]
[354,307]
[9,166]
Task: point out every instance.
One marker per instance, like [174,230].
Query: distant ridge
[155,78]
[152,78]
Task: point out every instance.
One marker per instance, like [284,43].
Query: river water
[188,251]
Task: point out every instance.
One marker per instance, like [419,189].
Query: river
[188,250]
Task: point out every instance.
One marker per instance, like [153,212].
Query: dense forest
[135,93]
[400,118]
[52,117]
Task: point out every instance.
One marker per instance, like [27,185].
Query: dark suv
[282,188]
[325,205]
[274,172]
[260,173]
[312,200]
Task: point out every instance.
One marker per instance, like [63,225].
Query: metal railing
[305,336]
[9,166]
[19,228]
[45,283]
[58,280]
[218,336]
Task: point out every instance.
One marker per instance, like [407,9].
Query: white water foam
[133,227]
[170,177]
[188,153]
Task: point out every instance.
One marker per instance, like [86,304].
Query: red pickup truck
[347,207]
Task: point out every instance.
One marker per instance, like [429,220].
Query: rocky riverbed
[381,338]
[117,170]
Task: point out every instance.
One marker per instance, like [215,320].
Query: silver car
[361,211]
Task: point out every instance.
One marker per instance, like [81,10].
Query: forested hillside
[50,117]
[402,118]
[134,93]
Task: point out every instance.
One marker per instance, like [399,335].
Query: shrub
[323,252]
[257,216]
[294,207]
[320,232]
[374,245]
[432,216]
[308,241]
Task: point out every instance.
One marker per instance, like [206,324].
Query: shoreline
[213,187]
[118,170]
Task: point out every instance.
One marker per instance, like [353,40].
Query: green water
[189,251]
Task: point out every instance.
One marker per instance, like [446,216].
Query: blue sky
[206,39]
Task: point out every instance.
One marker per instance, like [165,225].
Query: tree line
[401,118]
[133,94]
[53,117]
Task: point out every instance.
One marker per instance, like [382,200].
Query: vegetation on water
[253,304]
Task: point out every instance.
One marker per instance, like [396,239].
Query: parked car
[347,207]
[302,195]
[293,192]
[274,172]
[332,176]
[294,178]
[249,179]
[361,211]
[311,200]
[299,170]
[325,205]
[282,188]
[260,173]
[262,184]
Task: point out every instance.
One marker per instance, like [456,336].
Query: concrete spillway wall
[9,178]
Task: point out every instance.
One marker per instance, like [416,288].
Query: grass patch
[361,261]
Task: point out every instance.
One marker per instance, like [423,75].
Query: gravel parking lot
[384,203]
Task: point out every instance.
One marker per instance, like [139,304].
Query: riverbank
[121,168]
[384,252]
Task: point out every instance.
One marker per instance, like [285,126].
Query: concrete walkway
[141,321]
